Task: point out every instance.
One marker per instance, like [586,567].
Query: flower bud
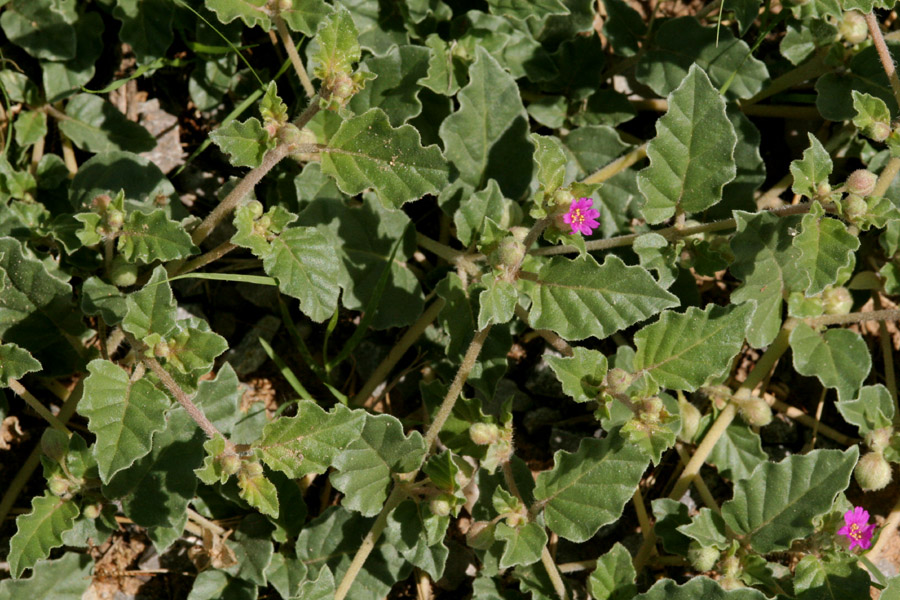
[231,463]
[756,412]
[440,506]
[251,470]
[510,252]
[58,485]
[651,409]
[861,182]
[853,27]
[563,197]
[101,202]
[702,558]
[873,472]
[161,349]
[823,190]
[342,89]
[123,273]
[837,301]
[854,207]
[484,433]
[256,209]
[92,511]
[519,233]
[690,421]
[880,131]
[285,5]
[618,380]
[290,134]
[879,439]
[115,219]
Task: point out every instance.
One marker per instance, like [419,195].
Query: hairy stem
[886,176]
[553,572]
[811,69]
[618,165]
[884,54]
[857,317]
[38,406]
[204,259]
[285,36]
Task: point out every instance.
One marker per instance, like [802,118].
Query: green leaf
[249,11]
[99,298]
[682,351]
[419,536]
[62,79]
[446,71]
[737,452]
[15,362]
[193,350]
[332,539]
[219,585]
[479,206]
[146,238]
[152,308]
[37,313]
[310,441]
[40,531]
[826,249]
[839,358]
[306,267]
[366,152]
[396,89]
[692,155]
[286,574]
[698,587]
[212,471]
[124,415]
[29,127]
[682,42]
[523,10]
[767,263]
[259,492]
[497,302]
[365,467]
[550,161]
[588,489]
[144,185]
[95,125]
[521,545]
[872,409]
[818,579]
[252,546]
[245,143]
[865,75]
[671,514]
[708,529]
[812,170]
[66,578]
[778,502]
[579,298]
[146,27]
[338,48]
[869,112]
[487,137]
[43,29]
[623,27]
[613,578]
[305,16]
[580,374]
[655,252]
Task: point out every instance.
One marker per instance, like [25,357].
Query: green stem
[285,36]
[204,259]
[809,70]
[857,317]
[37,406]
[886,177]
[553,572]
[618,165]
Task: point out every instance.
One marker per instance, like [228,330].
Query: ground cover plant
[491,298]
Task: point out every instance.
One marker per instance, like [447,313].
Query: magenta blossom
[581,217]
[857,528]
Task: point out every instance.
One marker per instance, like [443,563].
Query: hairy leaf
[812,170]
[613,578]
[826,249]
[581,373]
[521,545]
[95,125]
[698,587]
[40,531]
[15,362]
[66,578]
[152,308]
[146,238]
[839,358]
[245,143]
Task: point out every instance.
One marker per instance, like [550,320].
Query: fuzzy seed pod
[563,197]
[231,463]
[123,273]
[879,439]
[484,433]
[854,207]
[161,349]
[92,511]
[861,182]
[702,558]
[837,301]
[756,412]
[618,380]
[115,219]
[58,485]
[880,131]
[440,506]
[690,421]
[256,208]
[510,252]
[873,472]
[853,27]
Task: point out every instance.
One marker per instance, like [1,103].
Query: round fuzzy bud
[231,463]
[123,273]
[823,190]
[161,349]
[515,519]
[58,485]
[618,380]
[92,511]
[563,197]
[510,252]
[861,182]
[342,89]
[879,439]
[837,301]
[101,202]
[256,209]
[115,219]
[872,472]
[853,27]
[289,134]
[651,409]
[756,412]
[854,207]
[285,5]
[701,558]
[690,421]
[484,433]
[252,470]
[519,233]
[880,131]
[440,506]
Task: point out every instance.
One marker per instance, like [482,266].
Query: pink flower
[857,528]
[581,217]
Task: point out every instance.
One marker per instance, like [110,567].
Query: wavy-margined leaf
[396,90]
[258,491]
[249,11]
[245,143]
[613,577]
[124,415]
[826,249]
[29,127]
[523,10]
[40,531]
[146,27]
[708,528]
[487,137]
[698,587]
[479,206]
[305,16]
[550,161]
[692,155]
[219,585]
[66,578]
[95,125]
[872,409]
[865,74]
[737,452]
[364,468]
[681,351]
[100,298]
[309,441]
[579,373]
[839,358]
[834,579]
[767,263]
[497,303]
[146,238]
[36,311]
[682,42]
[42,29]
[580,298]
[366,152]
[332,539]
[778,502]
[15,362]
[521,545]
[338,49]
[811,170]
[306,267]
[589,488]
[869,112]
[152,308]
[419,536]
